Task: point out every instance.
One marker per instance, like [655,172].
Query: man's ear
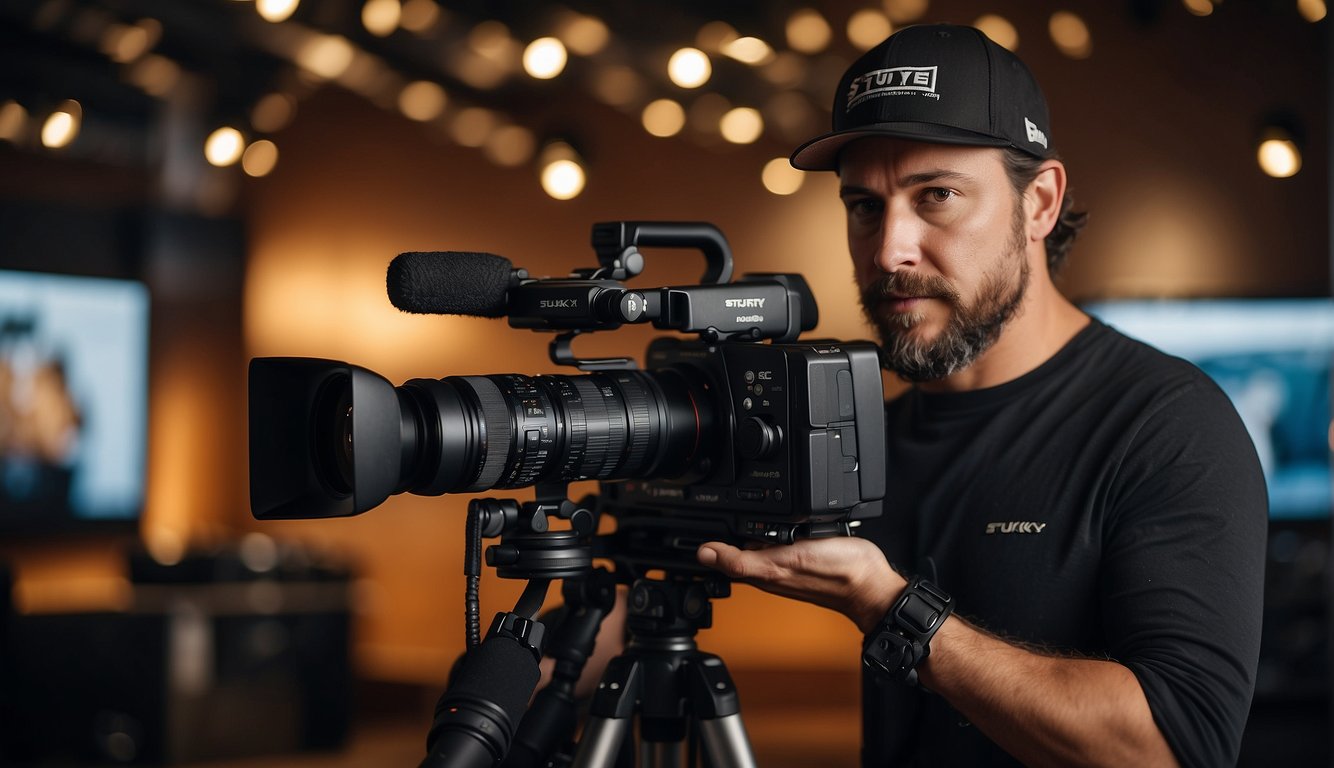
[1042,200]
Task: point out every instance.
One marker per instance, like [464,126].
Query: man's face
[938,242]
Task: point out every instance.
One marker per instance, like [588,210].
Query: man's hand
[846,574]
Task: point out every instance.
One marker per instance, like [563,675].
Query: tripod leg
[718,711]
[611,714]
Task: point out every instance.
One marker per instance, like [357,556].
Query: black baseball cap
[939,83]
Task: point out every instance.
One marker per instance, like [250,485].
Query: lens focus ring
[499,431]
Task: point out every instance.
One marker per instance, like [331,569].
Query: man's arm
[1044,710]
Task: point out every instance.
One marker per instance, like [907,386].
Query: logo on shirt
[1015,527]
[891,82]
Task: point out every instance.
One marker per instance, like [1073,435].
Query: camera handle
[617,245]
[561,352]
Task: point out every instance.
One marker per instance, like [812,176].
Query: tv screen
[1273,359]
[73,401]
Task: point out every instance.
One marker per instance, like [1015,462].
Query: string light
[742,125]
[276,10]
[472,126]
[562,174]
[381,17]
[1312,10]
[808,32]
[1070,34]
[689,68]
[272,113]
[13,120]
[544,58]
[780,178]
[224,146]
[62,126]
[326,56]
[259,158]
[867,28]
[584,35]
[749,50]
[1278,154]
[663,118]
[422,101]
[1199,7]
[419,16]
[1000,30]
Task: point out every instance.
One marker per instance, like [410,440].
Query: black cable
[472,568]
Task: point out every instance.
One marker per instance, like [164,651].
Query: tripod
[669,682]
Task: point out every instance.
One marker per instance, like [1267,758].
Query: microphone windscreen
[449,283]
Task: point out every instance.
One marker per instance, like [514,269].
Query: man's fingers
[733,562]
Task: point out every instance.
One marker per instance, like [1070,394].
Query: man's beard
[971,328]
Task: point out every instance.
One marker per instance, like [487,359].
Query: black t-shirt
[1107,504]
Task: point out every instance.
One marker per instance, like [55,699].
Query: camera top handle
[617,245]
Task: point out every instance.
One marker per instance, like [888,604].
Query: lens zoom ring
[641,425]
[499,430]
[606,429]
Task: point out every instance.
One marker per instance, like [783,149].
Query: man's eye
[863,207]
[937,195]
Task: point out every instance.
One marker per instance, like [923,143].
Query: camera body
[722,436]
[801,446]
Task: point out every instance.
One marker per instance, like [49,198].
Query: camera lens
[332,441]
[473,433]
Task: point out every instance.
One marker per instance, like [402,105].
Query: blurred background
[186,184]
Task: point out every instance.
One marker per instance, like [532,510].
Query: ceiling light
[544,58]
[689,68]
[224,146]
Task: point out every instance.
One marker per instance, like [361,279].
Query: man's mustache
[908,285]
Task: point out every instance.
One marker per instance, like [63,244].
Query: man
[1089,509]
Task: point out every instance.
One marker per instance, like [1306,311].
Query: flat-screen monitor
[73,402]
[1273,359]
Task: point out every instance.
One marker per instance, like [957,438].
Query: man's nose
[900,242]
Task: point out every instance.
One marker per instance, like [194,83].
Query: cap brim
[821,152]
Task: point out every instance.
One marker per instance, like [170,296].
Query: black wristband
[903,638]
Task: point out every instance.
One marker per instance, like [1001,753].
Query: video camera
[720,437]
